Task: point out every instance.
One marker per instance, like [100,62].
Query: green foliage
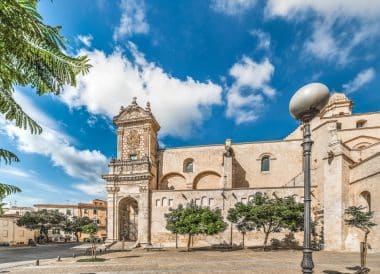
[240,215]
[7,189]
[91,229]
[42,220]
[359,217]
[31,53]
[268,215]
[8,156]
[193,220]
[76,225]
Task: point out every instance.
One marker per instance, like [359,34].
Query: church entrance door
[128,224]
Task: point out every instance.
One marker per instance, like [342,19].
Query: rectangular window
[338,126]
[95,212]
[85,211]
[68,212]
[133,157]
[360,124]
[5,233]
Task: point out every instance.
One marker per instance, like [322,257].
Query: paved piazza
[174,261]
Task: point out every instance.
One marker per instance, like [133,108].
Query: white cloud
[132,19]
[262,37]
[86,39]
[326,42]
[363,77]
[16,172]
[179,105]
[84,164]
[291,8]
[246,97]
[91,189]
[232,7]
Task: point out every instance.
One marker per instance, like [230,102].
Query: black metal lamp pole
[307,259]
[305,104]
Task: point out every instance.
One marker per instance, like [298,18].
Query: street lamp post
[305,104]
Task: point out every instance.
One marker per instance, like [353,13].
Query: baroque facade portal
[144,181]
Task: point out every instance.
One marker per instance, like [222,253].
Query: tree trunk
[266,239]
[188,243]
[76,236]
[364,255]
[243,239]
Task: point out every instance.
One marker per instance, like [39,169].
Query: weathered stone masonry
[144,181]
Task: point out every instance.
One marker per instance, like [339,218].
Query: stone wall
[222,199]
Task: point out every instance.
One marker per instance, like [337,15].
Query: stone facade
[96,211]
[13,235]
[145,181]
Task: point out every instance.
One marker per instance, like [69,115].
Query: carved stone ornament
[133,139]
[143,188]
[113,189]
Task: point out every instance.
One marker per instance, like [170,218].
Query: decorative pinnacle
[121,108]
[148,106]
[134,101]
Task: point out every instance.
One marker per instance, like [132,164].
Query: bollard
[74,255]
[37,263]
[58,259]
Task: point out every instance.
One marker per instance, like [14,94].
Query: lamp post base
[307,261]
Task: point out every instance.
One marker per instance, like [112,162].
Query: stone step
[120,245]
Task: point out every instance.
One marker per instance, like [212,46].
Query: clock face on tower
[133,140]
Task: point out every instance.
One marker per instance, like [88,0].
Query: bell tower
[132,174]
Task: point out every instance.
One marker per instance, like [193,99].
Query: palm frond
[14,112]
[8,156]
[6,190]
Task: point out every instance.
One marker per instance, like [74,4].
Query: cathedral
[144,181]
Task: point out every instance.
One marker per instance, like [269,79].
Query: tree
[76,225]
[240,216]
[42,220]
[194,220]
[273,215]
[361,218]
[91,229]
[31,54]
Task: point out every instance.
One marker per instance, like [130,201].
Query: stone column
[112,214]
[144,215]
[227,165]
[334,196]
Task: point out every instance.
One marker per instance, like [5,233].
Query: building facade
[96,211]
[144,181]
[13,235]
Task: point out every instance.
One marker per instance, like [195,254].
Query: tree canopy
[31,54]
[76,224]
[240,216]
[194,220]
[361,218]
[42,220]
[268,215]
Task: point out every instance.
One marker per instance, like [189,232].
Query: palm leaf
[6,190]
[8,156]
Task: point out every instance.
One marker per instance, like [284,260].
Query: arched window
[188,166]
[265,163]
[365,200]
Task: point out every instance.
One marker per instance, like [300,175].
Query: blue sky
[211,69]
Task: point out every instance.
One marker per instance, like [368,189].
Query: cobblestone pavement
[179,261]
